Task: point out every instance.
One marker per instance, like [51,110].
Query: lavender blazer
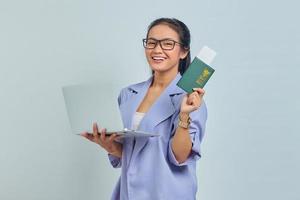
[149,169]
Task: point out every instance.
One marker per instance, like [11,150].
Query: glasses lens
[149,43]
[167,44]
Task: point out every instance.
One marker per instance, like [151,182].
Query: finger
[118,138]
[91,137]
[196,102]
[195,99]
[84,134]
[193,103]
[87,136]
[200,91]
[95,130]
[189,100]
[102,136]
[96,133]
[191,97]
[112,138]
[195,95]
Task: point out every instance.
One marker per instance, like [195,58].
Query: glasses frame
[159,41]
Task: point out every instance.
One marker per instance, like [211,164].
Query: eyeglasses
[165,44]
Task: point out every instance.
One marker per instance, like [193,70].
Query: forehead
[162,31]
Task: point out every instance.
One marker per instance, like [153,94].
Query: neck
[162,80]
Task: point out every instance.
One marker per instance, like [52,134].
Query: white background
[251,148]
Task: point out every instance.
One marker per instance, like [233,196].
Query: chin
[160,69]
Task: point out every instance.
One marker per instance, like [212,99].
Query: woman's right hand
[106,142]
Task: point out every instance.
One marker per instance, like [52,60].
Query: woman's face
[164,60]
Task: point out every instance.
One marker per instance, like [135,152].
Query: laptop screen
[88,103]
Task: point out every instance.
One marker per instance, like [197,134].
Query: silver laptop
[89,103]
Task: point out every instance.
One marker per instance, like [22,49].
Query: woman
[159,167]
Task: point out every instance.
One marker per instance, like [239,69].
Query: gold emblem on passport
[203,76]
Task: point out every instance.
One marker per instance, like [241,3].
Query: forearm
[181,144]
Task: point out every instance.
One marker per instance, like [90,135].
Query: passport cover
[196,75]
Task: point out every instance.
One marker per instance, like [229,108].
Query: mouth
[158,58]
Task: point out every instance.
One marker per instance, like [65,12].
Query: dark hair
[184,37]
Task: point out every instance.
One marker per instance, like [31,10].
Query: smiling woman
[152,167]
[175,33]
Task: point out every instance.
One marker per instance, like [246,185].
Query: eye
[168,43]
[151,42]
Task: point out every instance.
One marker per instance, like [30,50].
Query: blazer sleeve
[196,130]
[115,161]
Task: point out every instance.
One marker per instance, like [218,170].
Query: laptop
[98,102]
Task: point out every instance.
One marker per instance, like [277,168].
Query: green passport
[199,71]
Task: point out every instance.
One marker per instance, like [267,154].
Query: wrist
[184,116]
[117,152]
[184,120]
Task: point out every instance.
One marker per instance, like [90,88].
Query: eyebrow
[162,39]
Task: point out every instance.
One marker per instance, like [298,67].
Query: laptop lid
[89,103]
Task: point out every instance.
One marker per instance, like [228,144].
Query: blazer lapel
[128,108]
[135,94]
[162,109]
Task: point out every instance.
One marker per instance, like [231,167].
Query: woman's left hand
[192,101]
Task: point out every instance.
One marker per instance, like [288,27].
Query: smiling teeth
[158,58]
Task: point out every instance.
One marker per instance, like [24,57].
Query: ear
[184,53]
